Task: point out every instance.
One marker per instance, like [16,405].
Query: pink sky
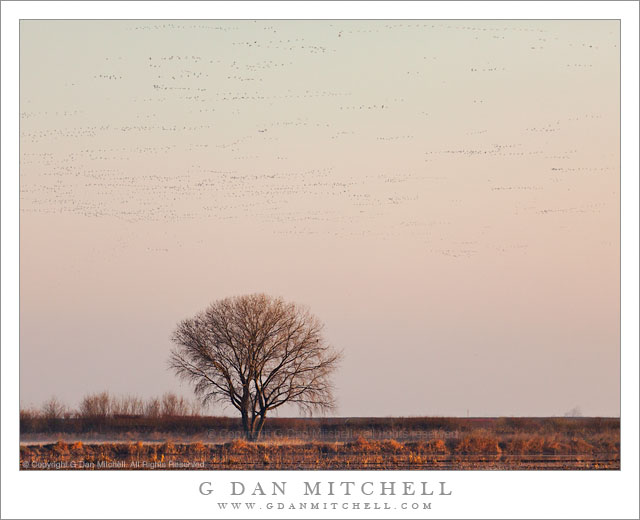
[443,195]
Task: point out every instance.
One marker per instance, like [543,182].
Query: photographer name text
[330,488]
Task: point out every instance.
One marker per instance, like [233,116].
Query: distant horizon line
[347,417]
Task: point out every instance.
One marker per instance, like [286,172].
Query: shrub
[196,447]
[554,447]
[525,444]
[580,446]
[96,405]
[61,448]
[392,446]
[433,446]
[53,409]
[240,446]
[168,448]
[481,443]
[363,445]
[437,446]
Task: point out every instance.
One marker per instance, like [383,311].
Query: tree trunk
[258,428]
[252,426]
[247,420]
[245,424]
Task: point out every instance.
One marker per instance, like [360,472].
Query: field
[168,443]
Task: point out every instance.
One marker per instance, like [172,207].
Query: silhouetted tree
[96,406]
[54,409]
[256,353]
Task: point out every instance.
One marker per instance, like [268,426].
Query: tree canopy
[256,353]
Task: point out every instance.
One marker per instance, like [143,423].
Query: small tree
[53,409]
[96,406]
[256,353]
[173,406]
[153,408]
[127,405]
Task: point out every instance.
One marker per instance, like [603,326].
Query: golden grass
[481,449]
[510,443]
[480,442]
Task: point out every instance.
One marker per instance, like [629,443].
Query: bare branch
[257,353]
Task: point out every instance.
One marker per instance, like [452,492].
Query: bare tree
[96,405]
[174,406]
[256,353]
[54,409]
[127,405]
[574,412]
[153,408]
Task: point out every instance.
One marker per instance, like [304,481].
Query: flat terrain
[385,444]
[362,454]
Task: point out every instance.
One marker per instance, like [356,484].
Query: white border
[166,495]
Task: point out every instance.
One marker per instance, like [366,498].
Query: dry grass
[480,442]
[477,450]
[504,443]
[131,416]
[432,447]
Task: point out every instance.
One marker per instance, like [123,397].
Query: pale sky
[443,195]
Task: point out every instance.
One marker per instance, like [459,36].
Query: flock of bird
[276,126]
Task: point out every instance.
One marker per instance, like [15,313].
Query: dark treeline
[101,413]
